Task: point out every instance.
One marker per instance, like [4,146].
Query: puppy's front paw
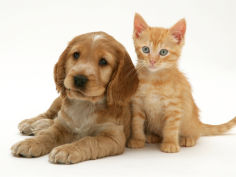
[65,154]
[28,148]
[25,127]
[136,143]
[34,125]
[169,147]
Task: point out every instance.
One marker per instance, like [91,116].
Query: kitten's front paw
[33,126]
[28,148]
[136,143]
[169,147]
[65,154]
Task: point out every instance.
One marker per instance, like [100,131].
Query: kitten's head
[158,48]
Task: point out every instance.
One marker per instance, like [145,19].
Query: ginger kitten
[163,106]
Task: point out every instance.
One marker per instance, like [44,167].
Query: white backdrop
[34,33]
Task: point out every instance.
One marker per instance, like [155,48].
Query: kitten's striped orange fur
[163,105]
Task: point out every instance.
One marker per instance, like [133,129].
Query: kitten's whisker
[131,71]
[134,70]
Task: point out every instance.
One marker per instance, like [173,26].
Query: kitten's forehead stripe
[156,35]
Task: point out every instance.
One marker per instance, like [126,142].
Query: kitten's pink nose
[152,62]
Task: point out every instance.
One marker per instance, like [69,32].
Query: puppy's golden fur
[92,121]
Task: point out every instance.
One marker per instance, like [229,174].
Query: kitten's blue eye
[146,49]
[163,52]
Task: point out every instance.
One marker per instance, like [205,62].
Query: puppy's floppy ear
[124,81]
[60,73]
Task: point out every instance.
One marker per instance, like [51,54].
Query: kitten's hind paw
[187,141]
[136,143]
[152,139]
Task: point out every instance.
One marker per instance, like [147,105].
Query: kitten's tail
[207,130]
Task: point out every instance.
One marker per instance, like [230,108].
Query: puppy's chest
[82,118]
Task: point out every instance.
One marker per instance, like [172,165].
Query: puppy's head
[95,66]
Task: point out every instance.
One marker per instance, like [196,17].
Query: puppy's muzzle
[80,81]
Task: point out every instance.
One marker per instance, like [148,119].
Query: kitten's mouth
[152,68]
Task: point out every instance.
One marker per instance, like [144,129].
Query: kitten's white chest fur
[151,100]
[152,105]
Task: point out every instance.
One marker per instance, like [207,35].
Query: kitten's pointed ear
[178,30]
[139,25]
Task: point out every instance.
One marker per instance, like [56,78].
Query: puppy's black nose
[80,80]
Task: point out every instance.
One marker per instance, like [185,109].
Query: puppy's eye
[145,49]
[76,55]
[163,52]
[102,62]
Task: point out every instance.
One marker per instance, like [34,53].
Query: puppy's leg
[109,140]
[137,139]
[44,142]
[34,125]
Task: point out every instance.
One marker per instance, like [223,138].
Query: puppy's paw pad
[169,147]
[41,124]
[64,155]
[33,126]
[25,127]
[28,148]
[187,141]
[135,143]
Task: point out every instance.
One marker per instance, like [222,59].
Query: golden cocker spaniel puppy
[96,78]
